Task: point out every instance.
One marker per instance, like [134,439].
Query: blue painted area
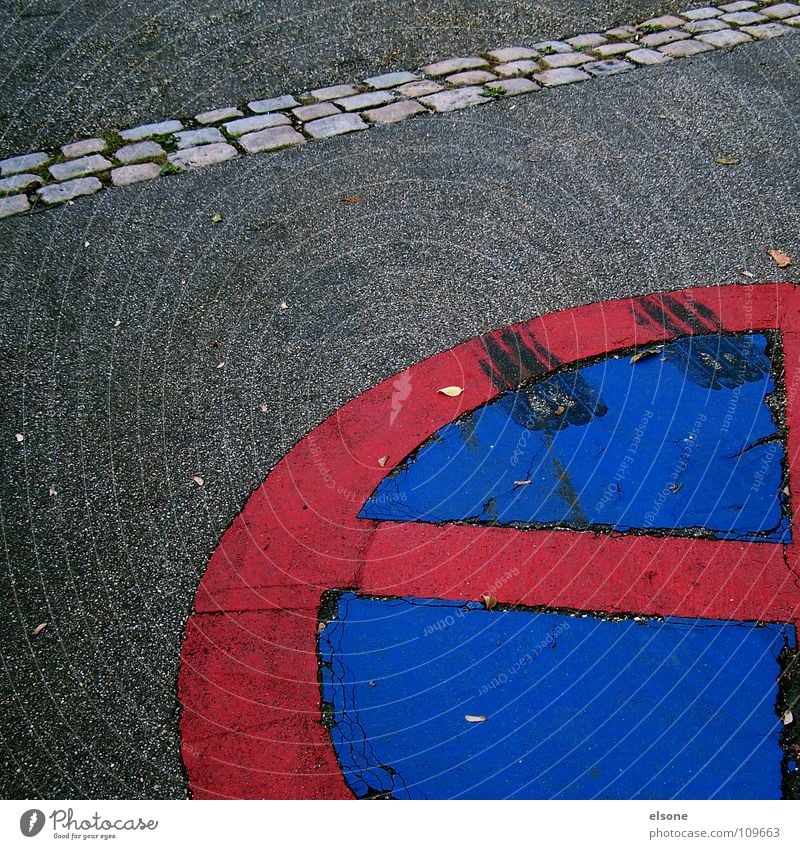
[681,439]
[576,707]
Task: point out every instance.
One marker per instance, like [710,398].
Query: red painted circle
[251,724]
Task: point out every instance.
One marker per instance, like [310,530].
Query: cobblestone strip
[40,179]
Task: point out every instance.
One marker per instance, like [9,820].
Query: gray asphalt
[75,67]
[469,221]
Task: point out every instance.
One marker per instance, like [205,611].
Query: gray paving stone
[26,162]
[724,38]
[272,139]
[710,25]
[739,6]
[419,89]
[194,138]
[454,65]
[560,76]
[502,55]
[470,78]
[511,88]
[368,100]
[545,48]
[19,182]
[214,116]
[79,167]
[684,49]
[741,19]
[331,92]
[149,131]
[255,122]
[622,33]
[645,56]
[127,175]
[272,104]
[606,51]
[589,39]
[608,67]
[139,151]
[84,148]
[522,67]
[564,60]
[656,39]
[795,22]
[62,192]
[200,157]
[764,32]
[314,111]
[662,22]
[701,14]
[335,125]
[14,205]
[458,98]
[394,112]
[391,80]
[781,10]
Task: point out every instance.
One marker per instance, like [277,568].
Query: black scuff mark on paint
[690,318]
[567,491]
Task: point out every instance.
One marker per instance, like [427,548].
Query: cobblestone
[453,66]
[470,78]
[459,98]
[795,22]
[656,39]
[511,88]
[314,111]
[560,76]
[391,80]
[127,175]
[272,104]
[272,139]
[546,47]
[663,22]
[26,162]
[331,92]
[79,167]
[589,39]
[149,131]
[367,100]
[684,49]
[608,67]
[200,157]
[194,138]
[139,151]
[606,51]
[724,38]
[256,122]
[645,56]
[394,112]
[738,6]
[702,14]
[523,67]
[782,10]
[14,205]
[83,148]
[419,89]
[214,116]
[622,33]
[19,183]
[62,192]
[740,19]
[335,125]
[502,55]
[764,32]
[710,25]
[565,60]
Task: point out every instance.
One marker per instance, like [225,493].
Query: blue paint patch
[577,707]
[681,440]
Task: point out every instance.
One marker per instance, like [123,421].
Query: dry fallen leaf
[53,490]
[321,627]
[727,160]
[38,629]
[788,718]
[559,410]
[522,483]
[351,199]
[470,718]
[382,461]
[263,407]
[782,260]
[489,601]
[284,305]
[19,437]
[221,364]
[117,323]
[647,352]
[451,391]
[198,480]
[216,218]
